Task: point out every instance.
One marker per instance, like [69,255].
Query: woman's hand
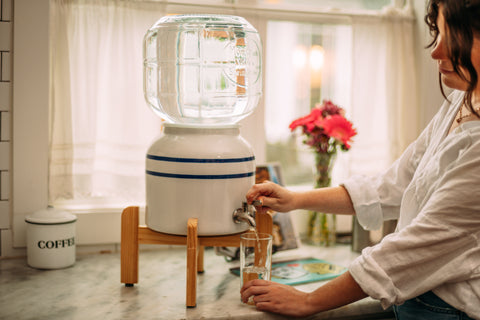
[273,196]
[330,200]
[278,298]
[286,300]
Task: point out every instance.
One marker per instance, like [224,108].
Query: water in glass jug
[202,69]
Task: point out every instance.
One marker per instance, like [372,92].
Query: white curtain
[101,126]
[384,89]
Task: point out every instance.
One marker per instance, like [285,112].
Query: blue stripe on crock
[200,176]
[196,160]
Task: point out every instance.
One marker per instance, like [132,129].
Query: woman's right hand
[273,196]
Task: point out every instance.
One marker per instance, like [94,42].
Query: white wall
[6,87]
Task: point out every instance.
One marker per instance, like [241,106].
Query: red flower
[328,108]
[339,128]
[308,121]
[325,127]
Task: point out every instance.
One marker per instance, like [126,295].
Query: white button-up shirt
[433,190]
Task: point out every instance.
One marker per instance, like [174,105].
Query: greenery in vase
[326,130]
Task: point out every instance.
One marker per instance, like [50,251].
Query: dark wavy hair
[462,22]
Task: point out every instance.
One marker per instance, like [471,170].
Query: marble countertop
[91,289]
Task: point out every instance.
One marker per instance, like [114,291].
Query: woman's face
[440,53]
[476,61]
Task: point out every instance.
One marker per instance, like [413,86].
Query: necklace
[460,117]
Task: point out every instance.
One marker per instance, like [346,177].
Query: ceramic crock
[198,172]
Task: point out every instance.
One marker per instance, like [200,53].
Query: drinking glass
[255,257]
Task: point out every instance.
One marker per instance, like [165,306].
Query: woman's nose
[439,51]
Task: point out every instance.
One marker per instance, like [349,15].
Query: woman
[430,267]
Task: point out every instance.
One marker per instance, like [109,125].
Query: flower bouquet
[326,130]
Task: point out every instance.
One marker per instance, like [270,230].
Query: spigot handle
[245,214]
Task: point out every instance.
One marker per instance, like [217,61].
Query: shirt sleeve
[378,198]
[441,245]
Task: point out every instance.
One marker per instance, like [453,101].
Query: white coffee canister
[51,239]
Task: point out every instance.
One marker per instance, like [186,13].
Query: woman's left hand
[277,298]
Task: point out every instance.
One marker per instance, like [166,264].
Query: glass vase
[322,226]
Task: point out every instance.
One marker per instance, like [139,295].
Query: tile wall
[6,45]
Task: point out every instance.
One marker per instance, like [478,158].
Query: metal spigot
[245,214]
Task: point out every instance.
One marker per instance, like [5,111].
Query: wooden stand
[132,235]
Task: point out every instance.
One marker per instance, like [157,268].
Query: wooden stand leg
[129,247]
[201,251]
[264,221]
[192,256]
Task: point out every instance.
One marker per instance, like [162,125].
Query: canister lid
[50,215]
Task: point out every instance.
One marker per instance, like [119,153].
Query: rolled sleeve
[378,198]
[365,202]
[418,259]
[373,280]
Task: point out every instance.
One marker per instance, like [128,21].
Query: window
[112,64]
